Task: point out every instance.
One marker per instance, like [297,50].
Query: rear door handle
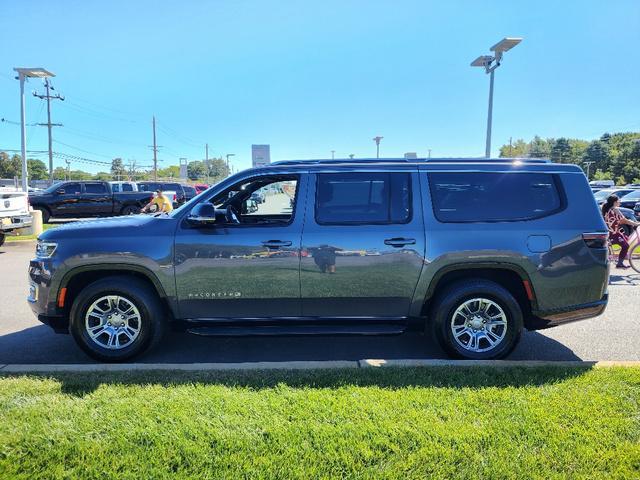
[399,242]
[276,243]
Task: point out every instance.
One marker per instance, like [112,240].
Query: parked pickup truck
[14,211]
[87,199]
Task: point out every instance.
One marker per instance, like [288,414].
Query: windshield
[52,188]
[602,195]
[631,196]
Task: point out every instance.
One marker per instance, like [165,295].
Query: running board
[284,330]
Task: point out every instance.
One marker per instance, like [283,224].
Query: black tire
[142,296]
[2,238]
[454,296]
[46,214]
[130,210]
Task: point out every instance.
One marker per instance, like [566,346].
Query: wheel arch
[78,278]
[510,276]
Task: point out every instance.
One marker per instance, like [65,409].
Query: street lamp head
[506,44]
[33,72]
[482,61]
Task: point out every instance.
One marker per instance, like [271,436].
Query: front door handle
[276,243]
[399,242]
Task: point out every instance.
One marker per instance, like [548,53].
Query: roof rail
[406,160]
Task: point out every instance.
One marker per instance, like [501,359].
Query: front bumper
[552,318]
[18,221]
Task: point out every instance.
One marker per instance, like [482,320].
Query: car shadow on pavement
[625,280]
[40,345]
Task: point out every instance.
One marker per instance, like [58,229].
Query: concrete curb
[304,365]
[127,367]
[376,363]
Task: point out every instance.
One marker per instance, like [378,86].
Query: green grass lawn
[20,238]
[369,423]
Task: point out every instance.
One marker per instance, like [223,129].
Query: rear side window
[493,197]
[176,187]
[127,187]
[148,187]
[95,188]
[351,198]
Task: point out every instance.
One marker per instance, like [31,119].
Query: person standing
[615,220]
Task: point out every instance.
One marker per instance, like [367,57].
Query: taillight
[595,240]
[175,197]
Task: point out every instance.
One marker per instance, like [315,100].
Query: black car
[86,199]
[189,192]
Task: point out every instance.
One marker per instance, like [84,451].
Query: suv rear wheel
[116,318]
[477,319]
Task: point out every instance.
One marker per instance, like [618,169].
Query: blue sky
[311,77]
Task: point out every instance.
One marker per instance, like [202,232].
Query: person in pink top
[615,220]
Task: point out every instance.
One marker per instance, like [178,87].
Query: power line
[82,150]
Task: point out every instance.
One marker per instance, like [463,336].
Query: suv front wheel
[116,318]
[477,319]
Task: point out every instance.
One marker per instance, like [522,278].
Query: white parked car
[117,187]
[14,211]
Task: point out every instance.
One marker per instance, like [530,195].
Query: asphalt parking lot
[612,336]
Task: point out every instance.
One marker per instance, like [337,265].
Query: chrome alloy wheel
[113,322]
[479,325]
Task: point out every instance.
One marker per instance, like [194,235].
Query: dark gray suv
[470,250]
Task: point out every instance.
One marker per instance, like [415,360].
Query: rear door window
[96,188]
[363,198]
[493,197]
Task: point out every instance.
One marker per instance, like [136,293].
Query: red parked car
[200,187]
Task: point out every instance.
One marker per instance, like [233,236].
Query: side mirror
[202,214]
[60,191]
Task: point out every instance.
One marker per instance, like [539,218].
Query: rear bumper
[17,221]
[553,318]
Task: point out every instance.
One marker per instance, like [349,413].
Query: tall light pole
[24,73]
[377,140]
[490,63]
[333,154]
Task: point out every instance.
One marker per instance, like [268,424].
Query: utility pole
[333,154]
[68,169]
[49,97]
[155,151]
[206,160]
[588,164]
[510,147]
[429,153]
[377,140]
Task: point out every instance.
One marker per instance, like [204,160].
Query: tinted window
[95,188]
[493,197]
[175,187]
[71,188]
[189,190]
[635,195]
[344,198]
[127,187]
[148,187]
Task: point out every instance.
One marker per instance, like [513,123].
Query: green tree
[103,176]
[10,167]
[600,175]
[80,175]
[59,173]
[37,169]
[172,171]
[117,169]
[561,151]
[518,149]
[539,148]
[196,170]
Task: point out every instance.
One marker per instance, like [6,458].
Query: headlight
[45,249]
